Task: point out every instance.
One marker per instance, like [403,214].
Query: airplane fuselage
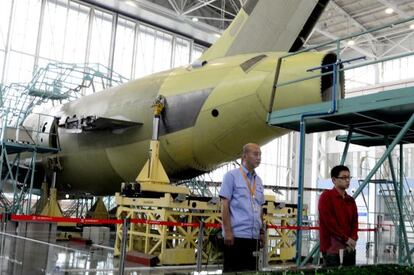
[211,111]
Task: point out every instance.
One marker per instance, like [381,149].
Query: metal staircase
[396,195]
[390,200]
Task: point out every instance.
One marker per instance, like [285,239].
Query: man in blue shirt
[242,199]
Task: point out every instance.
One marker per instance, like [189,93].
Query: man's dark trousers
[333,259]
[239,256]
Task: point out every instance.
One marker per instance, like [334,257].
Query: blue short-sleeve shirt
[245,218]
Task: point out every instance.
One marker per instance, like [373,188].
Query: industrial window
[124,47]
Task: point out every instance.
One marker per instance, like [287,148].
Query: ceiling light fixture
[412,26]
[389,10]
[350,42]
[195,19]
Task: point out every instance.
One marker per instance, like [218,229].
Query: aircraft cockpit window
[247,65]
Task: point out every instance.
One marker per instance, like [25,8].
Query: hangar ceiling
[206,19]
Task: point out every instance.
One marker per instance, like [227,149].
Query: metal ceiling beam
[305,43]
[220,10]
[161,17]
[368,12]
[398,45]
[223,8]
[363,28]
[210,18]
[392,5]
[401,13]
[234,5]
[199,6]
[174,6]
[353,20]
[183,4]
[384,37]
[334,37]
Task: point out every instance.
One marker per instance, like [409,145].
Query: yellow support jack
[52,208]
[42,202]
[98,210]
[153,177]
[172,244]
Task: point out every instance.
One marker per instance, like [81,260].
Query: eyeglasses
[344,178]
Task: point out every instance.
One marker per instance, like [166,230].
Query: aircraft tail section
[268,25]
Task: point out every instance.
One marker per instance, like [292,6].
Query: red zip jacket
[338,221]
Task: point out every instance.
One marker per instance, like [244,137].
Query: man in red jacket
[338,220]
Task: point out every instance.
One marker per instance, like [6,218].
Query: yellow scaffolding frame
[281,243]
[172,244]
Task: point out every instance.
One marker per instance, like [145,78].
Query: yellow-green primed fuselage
[211,111]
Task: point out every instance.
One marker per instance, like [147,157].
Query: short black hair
[338,169]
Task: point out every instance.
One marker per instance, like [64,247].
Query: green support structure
[381,112]
[408,255]
[346,148]
[368,116]
[402,233]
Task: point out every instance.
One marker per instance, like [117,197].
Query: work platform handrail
[338,69]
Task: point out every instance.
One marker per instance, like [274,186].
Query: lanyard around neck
[252,189]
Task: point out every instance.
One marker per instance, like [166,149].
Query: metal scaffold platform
[370,118]
[21,148]
[380,119]
[60,82]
